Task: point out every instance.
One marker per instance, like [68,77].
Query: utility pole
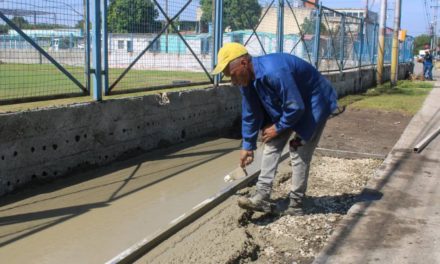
[434,27]
[381,46]
[395,50]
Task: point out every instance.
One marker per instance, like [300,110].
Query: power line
[427,15]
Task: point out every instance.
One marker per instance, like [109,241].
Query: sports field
[32,80]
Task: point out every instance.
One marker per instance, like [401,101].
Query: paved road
[92,217]
[400,221]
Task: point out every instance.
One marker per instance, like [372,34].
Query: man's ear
[244,61]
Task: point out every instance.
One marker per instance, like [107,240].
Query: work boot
[295,208]
[259,202]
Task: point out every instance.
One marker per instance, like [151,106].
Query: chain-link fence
[42,49]
[47,46]
[159,44]
[299,29]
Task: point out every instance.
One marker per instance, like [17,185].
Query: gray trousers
[300,160]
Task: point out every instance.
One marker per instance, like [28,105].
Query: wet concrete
[91,217]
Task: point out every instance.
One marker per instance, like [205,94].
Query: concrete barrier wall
[354,81]
[48,143]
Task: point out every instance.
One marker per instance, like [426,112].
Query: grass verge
[407,97]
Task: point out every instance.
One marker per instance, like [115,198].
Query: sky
[413,16]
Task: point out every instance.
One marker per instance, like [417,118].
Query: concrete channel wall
[48,143]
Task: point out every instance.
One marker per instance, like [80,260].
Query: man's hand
[269,132]
[246,157]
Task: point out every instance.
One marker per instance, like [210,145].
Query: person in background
[281,94]
[427,65]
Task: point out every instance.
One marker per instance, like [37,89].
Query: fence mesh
[57,27]
[252,23]
[299,29]
[145,51]
[406,49]
[369,40]
[331,37]
[158,44]
[351,42]
[388,45]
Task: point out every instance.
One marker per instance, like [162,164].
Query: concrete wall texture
[48,143]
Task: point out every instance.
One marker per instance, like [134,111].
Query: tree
[176,23]
[419,42]
[308,27]
[20,22]
[237,14]
[80,24]
[4,29]
[134,16]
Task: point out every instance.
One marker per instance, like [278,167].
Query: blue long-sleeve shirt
[287,92]
[427,61]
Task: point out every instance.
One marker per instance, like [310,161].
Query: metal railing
[60,48]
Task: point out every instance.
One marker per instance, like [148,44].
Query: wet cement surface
[91,217]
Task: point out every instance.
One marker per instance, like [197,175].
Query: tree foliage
[308,27]
[419,42]
[4,29]
[20,22]
[237,14]
[133,16]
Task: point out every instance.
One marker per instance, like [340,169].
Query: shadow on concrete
[118,187]
[56,216]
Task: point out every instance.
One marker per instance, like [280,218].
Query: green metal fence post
[361,44]
[342,44]
[105,46]
[87,44]
[375,40]
[280,27]
[218,36]
[317,36]
[96,50]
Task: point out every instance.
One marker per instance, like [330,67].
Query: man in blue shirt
[427,65]
[281,94]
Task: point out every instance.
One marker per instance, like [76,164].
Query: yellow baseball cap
[228,53]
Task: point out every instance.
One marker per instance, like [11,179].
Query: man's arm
[252,117]
[292,102]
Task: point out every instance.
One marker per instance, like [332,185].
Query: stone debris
[334,186]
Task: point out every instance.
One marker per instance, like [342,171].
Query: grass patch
[407,97]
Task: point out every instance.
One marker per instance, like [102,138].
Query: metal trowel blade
[236,174]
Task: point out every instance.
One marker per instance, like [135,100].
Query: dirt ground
[228,234]
[363,131]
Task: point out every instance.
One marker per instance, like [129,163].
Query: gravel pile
[334,186]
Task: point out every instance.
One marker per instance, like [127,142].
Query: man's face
[239,71]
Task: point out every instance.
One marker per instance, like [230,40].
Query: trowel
[236,174]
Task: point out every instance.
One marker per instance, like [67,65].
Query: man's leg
[430,71]
[426,71]
[300,159]
[269,164]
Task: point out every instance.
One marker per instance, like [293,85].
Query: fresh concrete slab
[92,217]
